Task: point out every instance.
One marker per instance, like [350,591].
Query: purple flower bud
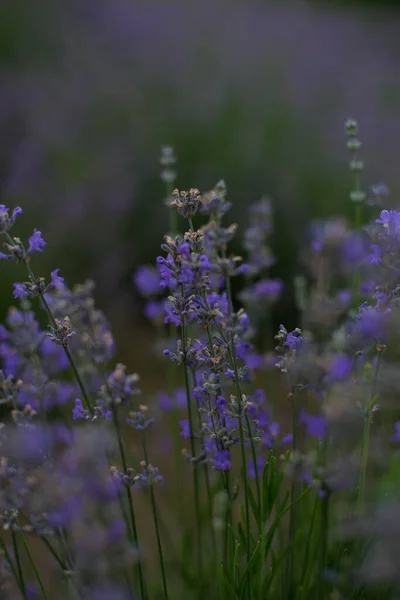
[57,282]
[79,412]
[36,242]
[375,258]
[185,429]
[222,461]
[20,290]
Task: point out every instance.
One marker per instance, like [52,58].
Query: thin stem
[54,553]
[156,525]
[308,544]
[256,475]
[13,569]
[19,566]
[324,545]
[210,508]
[241,431]
[206,472]
[366,436]
[130,501]
[70,359]
[173,215]
[54,324]
[293,511]
[33,565]
[246,493]
[193,453]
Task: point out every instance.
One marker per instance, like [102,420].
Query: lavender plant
[287,497]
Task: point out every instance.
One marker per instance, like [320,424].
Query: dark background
[252,92]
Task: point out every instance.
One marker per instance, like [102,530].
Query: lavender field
[199,385]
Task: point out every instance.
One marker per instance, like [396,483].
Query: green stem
[130,502]
[306,569]
[210,508]
[206,474]
[193,453]
[71,361]
[16,574]
[156,525]
[324,545]
[19,566]
[257,476]
[293,511]
[54,553]
[366,437]
[241,431]
[33,565]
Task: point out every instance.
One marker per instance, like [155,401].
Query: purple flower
[260,462]
[147,280]
[340,367]
[389,218]
[293,340]
[268,289]
[36,242]
[254,361]
[166,269]
[222,461]
[396,436]
[371,321]
[353,250]
[185,429]
[6,222]
[230,374]
[205,262]
[316,425]
[375,258]
[78,412]
[154,311]
[344,297]
[57,282]
[16,212]
[20,290]
[177,401]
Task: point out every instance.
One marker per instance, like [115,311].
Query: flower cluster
[78,438]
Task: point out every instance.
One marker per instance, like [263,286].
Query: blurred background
[255,93]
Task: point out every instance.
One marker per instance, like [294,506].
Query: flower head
[186,203]
[36,242]
[6,222]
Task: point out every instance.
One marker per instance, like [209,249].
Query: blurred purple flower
[185,429]
[375,258]
[396,436]
[147,280]
[20,290]
[316,425]
[57,282]
[340,367]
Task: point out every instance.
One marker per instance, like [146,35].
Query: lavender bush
[90,90]
[266,502]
